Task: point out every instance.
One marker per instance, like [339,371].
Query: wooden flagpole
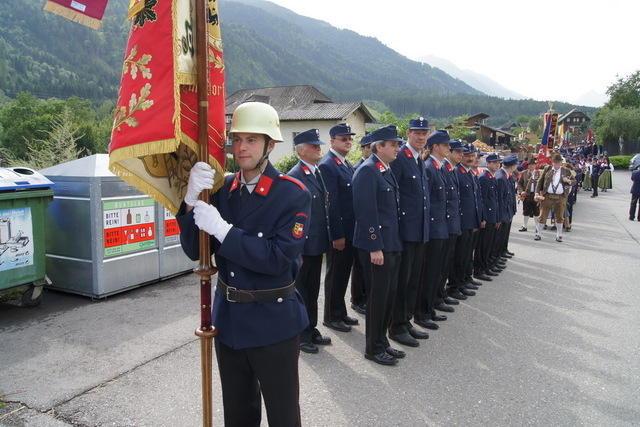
[205,270]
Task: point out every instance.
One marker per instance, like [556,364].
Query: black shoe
[318,339]
[559,239]
[467,292]
[508,254]
[382,358]
[309,347]
[474,282]
[631,218]
[359,308]
[537,237]
[494,270]
[419,335]
[438,317]
[503,259]
[427,324]
[450,301]
[455,293]
[444,307]
[554,228]
[483,276]
[501,264]
[523,228]
[470,286]
[405,339]
[490,273]
[350,320]
[545,227]
[338,326]
[394,352]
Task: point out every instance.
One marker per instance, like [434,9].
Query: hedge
[620,162]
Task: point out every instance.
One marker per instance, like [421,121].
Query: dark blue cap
[340,129]
[365,140]
[439,137]
[418,123]
[387,133]
[510,160]
[469,149]
[311,136]
[456,144]
[493,157]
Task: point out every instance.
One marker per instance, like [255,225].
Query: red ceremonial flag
[85,12]
[154,138]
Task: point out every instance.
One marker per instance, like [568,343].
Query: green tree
[612,123]
[535,125]
[59,146]
[625,92]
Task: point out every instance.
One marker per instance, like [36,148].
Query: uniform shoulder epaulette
[295,181]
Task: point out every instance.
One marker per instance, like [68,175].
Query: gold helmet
[256,117]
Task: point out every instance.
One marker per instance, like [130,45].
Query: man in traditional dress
[527,191]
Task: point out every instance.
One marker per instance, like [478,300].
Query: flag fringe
[72,15]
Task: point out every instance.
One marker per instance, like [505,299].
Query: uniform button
[232,274]
[447,216]
[414,177]
[348,184]
[388,189]
[261,189]
[403,213]
[380,226]
[431,219]
[280,299]
[260,234]
[489,208]
[314,196]
[425,197]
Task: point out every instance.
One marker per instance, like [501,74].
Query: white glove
[208,219]
[200,178]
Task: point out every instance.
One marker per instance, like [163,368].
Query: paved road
[553,341]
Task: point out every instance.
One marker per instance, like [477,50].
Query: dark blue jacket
[490,205]
[261,251]
[358,164]
[470,205]
[376,206]
[476,180]
[453,198]
[513,194]
[438,226]
[318,233]
[635,188]
[337,178]
[414,196]
[504,204]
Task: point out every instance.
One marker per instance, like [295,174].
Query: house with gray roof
[301,108]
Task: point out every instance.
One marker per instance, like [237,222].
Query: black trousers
[449,249]
[336,280]
[485,246]
[594,184]
[461,254]
[632,208]
[505,237]
[383,282]
[432,267]
[498,242]
[308,284]
[475,239]
[270,371]
[358,285]
[408,285]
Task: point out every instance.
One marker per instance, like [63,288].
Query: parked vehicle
[635,162]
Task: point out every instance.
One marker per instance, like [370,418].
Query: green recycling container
[24,196]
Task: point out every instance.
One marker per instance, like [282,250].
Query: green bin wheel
[32,297]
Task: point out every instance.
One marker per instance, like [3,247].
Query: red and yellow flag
[154,138]
[85,12]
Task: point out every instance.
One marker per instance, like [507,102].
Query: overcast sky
[544,50]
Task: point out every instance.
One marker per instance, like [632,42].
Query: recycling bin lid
[20,178]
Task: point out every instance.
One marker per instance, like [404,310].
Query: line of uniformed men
[413,225]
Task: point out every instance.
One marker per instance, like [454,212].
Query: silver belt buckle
[230,288]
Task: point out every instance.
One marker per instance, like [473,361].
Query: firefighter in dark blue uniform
[337,173]
[453,223]
[433,264]
[365,148]
[470,219]
[491,216]
[258,221]
[307,146]
[506,195]
[409,170]
[377,237]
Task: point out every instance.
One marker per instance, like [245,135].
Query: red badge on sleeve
[298,230]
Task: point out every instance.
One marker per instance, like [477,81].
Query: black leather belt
[243,296]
